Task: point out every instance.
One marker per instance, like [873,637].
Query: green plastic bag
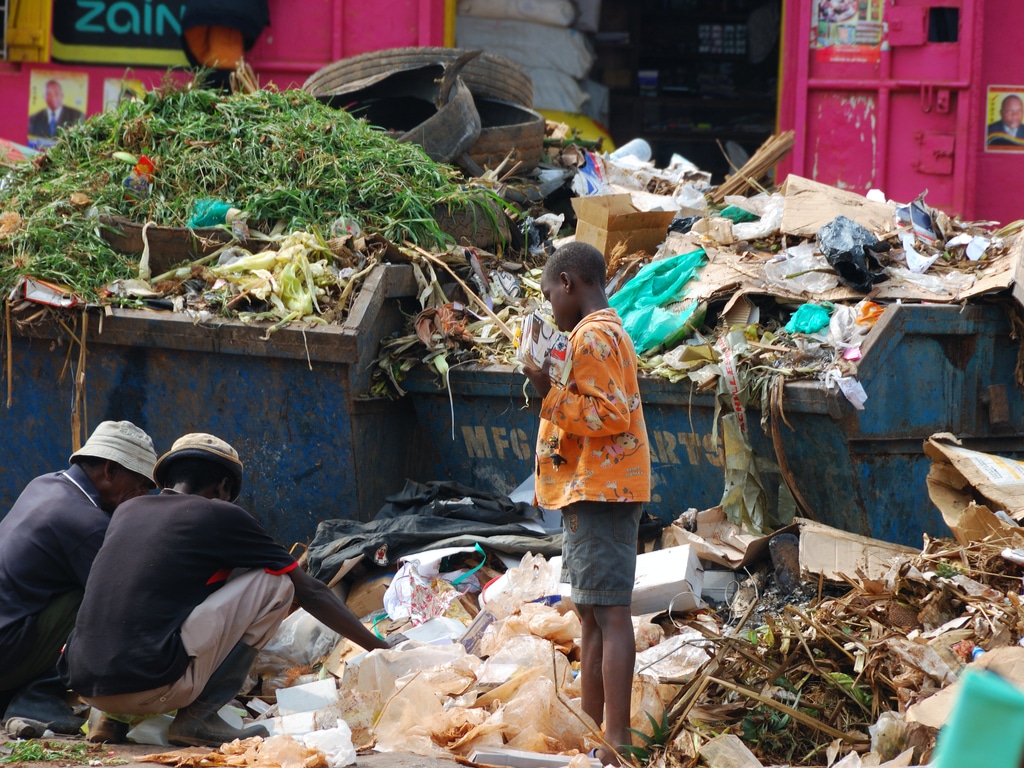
[641,302]
[810,318]
[208,212]
[738,215]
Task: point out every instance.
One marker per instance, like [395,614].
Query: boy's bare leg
[591,665]
[618,655]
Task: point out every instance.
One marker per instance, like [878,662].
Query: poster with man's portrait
[56,100]
[1005,105]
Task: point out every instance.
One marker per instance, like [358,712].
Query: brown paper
[967,486]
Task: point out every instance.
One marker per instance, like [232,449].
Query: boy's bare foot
[606,756]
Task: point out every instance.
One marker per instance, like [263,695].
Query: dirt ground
[130,753]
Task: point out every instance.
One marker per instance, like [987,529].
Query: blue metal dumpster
[926,369]
[312,447]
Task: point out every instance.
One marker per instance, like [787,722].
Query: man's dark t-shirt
[163,556]
[47,544]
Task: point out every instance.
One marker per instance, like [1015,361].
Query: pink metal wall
[997,190]
[303,36]
[906,115]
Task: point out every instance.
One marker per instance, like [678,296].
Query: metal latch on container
[994,398]
[939,99]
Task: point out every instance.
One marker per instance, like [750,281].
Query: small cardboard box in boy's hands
[541,339]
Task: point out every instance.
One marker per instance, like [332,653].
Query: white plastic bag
[335,743]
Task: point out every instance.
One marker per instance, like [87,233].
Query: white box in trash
[664,577]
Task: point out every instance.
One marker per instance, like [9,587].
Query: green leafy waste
[278,156]
[32,751]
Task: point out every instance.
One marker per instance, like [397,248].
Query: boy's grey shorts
[599,540]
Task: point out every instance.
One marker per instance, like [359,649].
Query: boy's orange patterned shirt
[592,444]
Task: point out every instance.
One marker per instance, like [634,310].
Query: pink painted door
[879,94]
[998,188]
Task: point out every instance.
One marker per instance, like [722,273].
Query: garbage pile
[830,649]
[786,283]
[154,201]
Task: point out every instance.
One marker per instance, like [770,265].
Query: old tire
[508,128]
[473,227]
[488,76]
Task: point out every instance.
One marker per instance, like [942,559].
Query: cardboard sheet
[605,221]
[935,710]
[831,552]
[810,205]
[968,486]
[719,541]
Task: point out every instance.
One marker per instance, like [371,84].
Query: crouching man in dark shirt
[185,590]
[47,544]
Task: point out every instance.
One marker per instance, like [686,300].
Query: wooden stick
[469,291]
[763,160]
[10,353]
[796,714]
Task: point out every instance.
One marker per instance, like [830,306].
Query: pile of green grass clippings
[280,157]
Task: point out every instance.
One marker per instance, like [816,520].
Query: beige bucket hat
[121,442]
[199,445]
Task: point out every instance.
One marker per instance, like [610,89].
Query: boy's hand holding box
[541,340]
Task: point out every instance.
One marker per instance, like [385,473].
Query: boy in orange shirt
[593,463]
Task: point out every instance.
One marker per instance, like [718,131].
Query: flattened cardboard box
[832,552]
[605,221]
[967,486]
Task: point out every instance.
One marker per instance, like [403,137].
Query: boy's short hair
[579,259]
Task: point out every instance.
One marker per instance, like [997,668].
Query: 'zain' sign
[130,32]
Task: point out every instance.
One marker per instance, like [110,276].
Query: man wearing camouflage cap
[48,542]
[201,588]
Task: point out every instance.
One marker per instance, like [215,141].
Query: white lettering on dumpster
[666,447]
[697,448]
[483,445]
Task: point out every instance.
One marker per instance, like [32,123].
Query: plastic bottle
[637,148]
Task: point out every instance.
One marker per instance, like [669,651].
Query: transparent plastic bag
[677,658]
[300,641]
[534,578]
[888,735]
[646,633]
[538,720]
[801,271]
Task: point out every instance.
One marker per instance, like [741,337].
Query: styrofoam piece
[667,578]
[438,631]
[719,585]
[307,697]
[294,725]
[518,758]
[152,730]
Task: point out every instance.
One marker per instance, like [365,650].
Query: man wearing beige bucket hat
[201,588]
[48,541]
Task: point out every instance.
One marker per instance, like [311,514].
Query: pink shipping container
[96,44]
[905,96]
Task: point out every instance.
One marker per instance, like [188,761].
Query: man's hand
[395,639]
[321,602]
